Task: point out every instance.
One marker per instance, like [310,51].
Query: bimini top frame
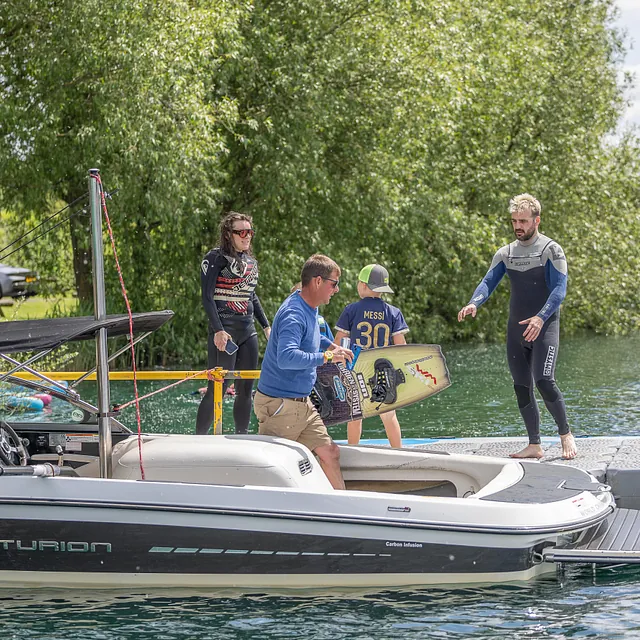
[47,335]
[98,328]
[51,333]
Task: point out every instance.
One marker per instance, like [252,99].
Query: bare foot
[569,449]
[530,451]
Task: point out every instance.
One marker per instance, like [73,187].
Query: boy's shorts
[291,419]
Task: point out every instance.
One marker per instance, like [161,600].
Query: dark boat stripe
[354,520]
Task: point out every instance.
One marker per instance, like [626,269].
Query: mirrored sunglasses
[243,233]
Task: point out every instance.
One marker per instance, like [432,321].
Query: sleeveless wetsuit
[537,269]
[229,298]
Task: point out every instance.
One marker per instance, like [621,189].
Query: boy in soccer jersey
[372,322]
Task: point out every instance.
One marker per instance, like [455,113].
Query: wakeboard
[380,380]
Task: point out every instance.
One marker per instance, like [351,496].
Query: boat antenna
[100,314]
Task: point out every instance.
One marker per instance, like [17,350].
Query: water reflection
[577,604]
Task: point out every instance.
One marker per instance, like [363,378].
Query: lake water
[577,604]
[600,378]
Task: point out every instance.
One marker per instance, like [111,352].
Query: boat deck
[617,540]
[614,460]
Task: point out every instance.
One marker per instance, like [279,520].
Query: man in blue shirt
[537,268]
[325,329]
[282,403]
[370,323]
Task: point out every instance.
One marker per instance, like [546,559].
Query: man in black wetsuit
[537,268]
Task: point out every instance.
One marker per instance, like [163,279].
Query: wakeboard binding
[321,397]
[385,381]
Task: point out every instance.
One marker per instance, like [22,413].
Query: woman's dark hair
[226,232]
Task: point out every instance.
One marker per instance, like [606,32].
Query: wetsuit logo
[237,267]
[548,362]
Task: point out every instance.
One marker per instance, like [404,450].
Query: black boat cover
[36,335]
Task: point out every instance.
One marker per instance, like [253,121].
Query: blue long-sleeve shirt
[538,273]
[293,350]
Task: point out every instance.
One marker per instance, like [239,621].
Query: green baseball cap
[376,277]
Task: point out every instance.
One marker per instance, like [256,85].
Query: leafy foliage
[392,131]
[129,89]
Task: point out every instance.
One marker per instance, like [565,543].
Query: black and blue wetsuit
[229,298]
[537,269]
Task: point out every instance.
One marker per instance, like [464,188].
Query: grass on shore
[35,307]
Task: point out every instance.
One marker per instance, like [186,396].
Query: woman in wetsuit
[228,276]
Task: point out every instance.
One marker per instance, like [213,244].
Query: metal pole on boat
[100,313]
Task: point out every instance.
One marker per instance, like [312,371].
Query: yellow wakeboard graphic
[381,380]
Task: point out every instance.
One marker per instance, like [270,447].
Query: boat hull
[101,548]
[121,533]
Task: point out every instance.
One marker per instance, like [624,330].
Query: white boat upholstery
[469,475]
[511,474]
[227,460]
[275,462]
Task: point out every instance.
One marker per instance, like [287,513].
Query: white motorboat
[257,512]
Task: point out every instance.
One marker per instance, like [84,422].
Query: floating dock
[613,460]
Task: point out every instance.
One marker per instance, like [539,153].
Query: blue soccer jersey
[371,322]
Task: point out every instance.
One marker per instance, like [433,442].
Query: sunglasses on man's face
[334,283]
[243,233]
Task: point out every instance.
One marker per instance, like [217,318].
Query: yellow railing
[219,375]
[118,375]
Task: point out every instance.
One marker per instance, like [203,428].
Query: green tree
[397,131]
[129,89]
[392,131]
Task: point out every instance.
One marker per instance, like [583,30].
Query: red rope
[126,300]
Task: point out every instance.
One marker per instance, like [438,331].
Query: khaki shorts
[290,419]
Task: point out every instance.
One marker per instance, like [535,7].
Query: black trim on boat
[103,547]
[279,515]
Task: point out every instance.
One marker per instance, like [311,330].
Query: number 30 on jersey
[376,335]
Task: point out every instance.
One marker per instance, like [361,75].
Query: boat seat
[227,460]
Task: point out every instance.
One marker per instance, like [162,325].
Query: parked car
[17,281]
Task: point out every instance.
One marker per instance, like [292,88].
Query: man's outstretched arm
[486,287]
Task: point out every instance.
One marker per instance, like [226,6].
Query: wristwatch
[328,356]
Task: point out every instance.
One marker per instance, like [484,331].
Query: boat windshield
[21,403]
